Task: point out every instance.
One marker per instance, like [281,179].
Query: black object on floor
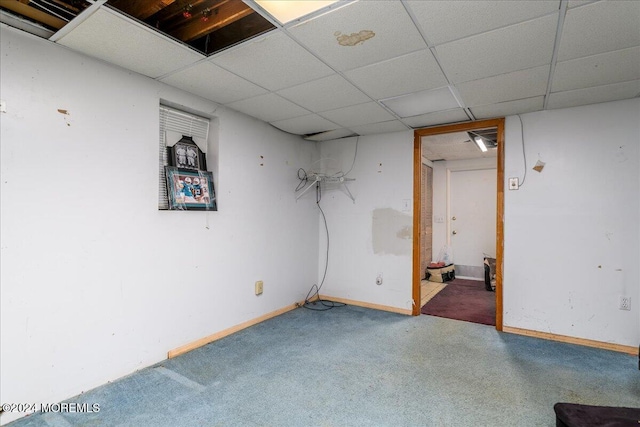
[575,415]
[490,274]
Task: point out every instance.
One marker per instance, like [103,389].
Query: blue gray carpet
[351,366]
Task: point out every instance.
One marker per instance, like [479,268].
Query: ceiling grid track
[431,63]
[340,73]
[77,21]
[432,49]
[285,30]
[556,46]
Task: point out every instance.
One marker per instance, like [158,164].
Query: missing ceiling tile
[44,14]
[353,39]
[208,26]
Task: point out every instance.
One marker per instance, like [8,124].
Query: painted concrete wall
[571,231]
[373,235]
[95,281]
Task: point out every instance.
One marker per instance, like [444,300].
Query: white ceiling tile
[594,95]
[508,108]
[600,27]
[438,118]
[413,72]
[360,114]
[393,33]
[273,62]
[108,35]
[305,125]
[443,21]
[212,82]
[327,93]
[382,127]
[517,47]
[424,102]
[506,87]
[597,70]
[269,107]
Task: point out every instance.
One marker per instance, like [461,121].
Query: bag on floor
[441,274]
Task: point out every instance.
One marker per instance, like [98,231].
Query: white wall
[374,234]
[571,232]
[95,281]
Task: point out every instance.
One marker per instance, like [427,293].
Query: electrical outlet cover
[625,303]
[513,184]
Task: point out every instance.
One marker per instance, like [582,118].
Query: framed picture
[187,155]
[190,189]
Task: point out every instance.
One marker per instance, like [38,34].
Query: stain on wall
[392,232]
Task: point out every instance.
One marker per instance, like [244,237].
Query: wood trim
[417,223]
[632,350]
[232,330]
[460,127]
[406,311]
[500,228]
[417,163]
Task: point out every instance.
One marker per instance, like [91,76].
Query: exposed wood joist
[171,18]
[221,16]
[25,10]
[166,16]
[141,9]
[67,6]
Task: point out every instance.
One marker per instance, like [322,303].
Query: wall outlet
[259,287]
[625,303]
[514,183]
[379,279]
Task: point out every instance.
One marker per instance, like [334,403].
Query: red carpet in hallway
[464,300]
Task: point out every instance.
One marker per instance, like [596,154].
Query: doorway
[418,218]
[472,219]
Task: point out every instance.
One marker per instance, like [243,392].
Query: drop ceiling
[455,146]
[363,67]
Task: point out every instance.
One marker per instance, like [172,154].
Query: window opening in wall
[176,125]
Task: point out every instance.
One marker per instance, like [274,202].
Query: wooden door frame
[417,192]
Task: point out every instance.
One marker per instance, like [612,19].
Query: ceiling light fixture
[480,143]
[290,10]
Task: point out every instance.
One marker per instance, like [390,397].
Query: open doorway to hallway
[460,208]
